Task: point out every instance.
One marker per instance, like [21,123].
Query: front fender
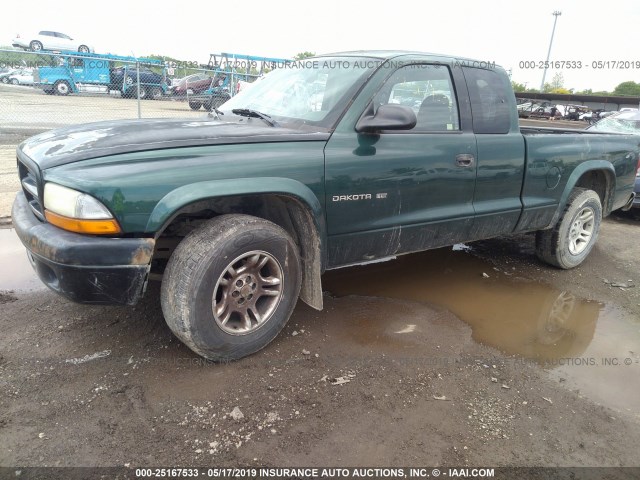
[168,207]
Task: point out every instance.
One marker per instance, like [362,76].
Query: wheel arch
[596,175]
[73,88]
[285,202]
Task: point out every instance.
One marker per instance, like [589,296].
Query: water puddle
[17,273]
[592,347]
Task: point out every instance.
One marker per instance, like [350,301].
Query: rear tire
[195,105]
[230,286]
[35,46]
[215,101]
[570,241]
[83,49]
[155,93]
[14,81]
[132,92]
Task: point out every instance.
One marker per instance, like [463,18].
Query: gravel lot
[441,358]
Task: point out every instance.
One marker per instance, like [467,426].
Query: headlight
[77,212]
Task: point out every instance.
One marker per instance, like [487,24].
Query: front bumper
[84,268]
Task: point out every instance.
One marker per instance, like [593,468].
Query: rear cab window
[489,105]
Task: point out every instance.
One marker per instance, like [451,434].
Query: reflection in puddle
[575,338]
[17,273]
[516,316]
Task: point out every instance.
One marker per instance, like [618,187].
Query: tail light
[638,167]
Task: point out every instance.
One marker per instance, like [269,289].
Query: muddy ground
[480,357]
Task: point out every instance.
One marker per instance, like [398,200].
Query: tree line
[628,88]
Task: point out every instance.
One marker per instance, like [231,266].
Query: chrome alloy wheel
[247,293]
[581,231]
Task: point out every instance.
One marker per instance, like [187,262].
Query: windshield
[625,122]
[313,91]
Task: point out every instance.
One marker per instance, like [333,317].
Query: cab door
[501,153]
[393,192]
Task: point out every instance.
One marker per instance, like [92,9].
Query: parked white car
[4,77]
[21,77]
[49,40]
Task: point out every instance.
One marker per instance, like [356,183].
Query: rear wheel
[14,81]
[61,87]
[132,92]
[570,241]
[230,286]
[195,105]
[83,49]
[214,102]
[35,46]
[155,93]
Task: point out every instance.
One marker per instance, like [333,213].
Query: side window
[47,34]
[489,105]
[62,35]
[428,90]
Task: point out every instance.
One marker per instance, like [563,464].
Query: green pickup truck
[332,161]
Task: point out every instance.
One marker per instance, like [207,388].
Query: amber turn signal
[91,227]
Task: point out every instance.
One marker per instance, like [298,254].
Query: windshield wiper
[247,112]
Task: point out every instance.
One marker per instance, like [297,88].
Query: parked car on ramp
[49,40]
[194,84]
[125,79]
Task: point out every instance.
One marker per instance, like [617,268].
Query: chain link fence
[44,90]
[39,91]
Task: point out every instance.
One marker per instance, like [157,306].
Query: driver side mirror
[387,117]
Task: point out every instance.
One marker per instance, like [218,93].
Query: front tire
[14,81]
[230,286]
[83,49]
[195,105]
[570,241]
[62,88]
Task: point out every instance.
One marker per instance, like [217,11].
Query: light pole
[556,14]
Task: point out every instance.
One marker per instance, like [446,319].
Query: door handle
[465,160]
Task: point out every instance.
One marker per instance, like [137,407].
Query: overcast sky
[506,32]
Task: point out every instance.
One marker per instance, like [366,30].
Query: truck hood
[82,142]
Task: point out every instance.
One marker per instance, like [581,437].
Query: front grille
[29,182]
